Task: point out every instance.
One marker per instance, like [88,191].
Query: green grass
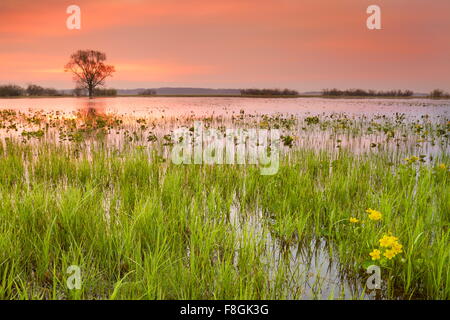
[140,227]
[143,229]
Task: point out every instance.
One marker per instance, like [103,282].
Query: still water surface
[176,106]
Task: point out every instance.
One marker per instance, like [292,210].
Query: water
[204,106]
[354,124]
[311,270]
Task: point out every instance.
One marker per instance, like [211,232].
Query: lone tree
[88,69]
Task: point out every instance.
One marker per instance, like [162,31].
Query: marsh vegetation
[98,190]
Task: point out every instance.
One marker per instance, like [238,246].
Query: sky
[307,45]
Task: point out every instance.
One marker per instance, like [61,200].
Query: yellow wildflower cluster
[390,244]
[442,166]
[375,254]
[374,214]
[387,241]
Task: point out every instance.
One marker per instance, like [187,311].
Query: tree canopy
[89,70]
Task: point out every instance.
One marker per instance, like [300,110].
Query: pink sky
[300,44]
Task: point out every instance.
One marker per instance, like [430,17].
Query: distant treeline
[147,92]
[366,93]
[268,92]
[32,90]
[105,92]
[439,94]
[98,92]
[12,90]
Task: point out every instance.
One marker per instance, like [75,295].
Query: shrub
[268,92]
[11,90]
[364,93]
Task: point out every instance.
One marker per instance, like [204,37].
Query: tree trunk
[91,92]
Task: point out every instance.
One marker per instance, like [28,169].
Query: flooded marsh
[91,183]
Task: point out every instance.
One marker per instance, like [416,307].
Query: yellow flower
[374,215]
[389,254]
[442,166]
[385,241]
[375,254]
[397,248]
[388,241]
[354,220]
